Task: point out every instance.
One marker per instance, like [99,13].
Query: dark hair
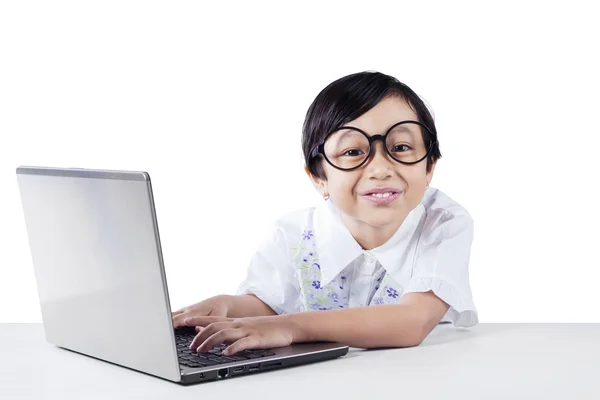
[348,98]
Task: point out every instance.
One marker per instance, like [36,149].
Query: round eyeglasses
[348,148]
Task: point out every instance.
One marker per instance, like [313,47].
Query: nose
[380,164]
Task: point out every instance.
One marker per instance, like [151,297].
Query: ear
[318,183]
[429,175]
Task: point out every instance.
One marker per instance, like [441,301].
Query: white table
[489,361]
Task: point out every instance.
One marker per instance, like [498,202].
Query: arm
[247,305]
[400,325]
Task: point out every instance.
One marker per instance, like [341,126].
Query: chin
[380,219]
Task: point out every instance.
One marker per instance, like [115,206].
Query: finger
[222,336]
[245,343]
[179,318]
[195,320]
[198,328]
[203,321]
[207,332]
[174,313]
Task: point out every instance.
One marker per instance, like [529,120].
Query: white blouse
[310,261]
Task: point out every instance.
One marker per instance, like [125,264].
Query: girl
[380,262]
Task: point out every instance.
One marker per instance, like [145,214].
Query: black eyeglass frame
[320,148]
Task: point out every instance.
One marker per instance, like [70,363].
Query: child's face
[349,189]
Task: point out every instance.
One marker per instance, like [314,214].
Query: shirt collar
[336,247]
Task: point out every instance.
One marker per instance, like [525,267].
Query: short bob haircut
[348,98]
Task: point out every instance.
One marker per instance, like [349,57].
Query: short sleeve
[442,264]
[270,276]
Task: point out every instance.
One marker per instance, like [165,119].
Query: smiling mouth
[381,195]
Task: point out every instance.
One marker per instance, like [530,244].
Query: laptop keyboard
[189,358]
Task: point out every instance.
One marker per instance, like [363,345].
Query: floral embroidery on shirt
[319,295]
[306,235]
[385,292]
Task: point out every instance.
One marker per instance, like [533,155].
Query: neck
[369,236]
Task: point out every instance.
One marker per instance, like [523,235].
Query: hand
[215,306]
[242,333]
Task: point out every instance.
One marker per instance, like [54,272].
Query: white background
[210,101]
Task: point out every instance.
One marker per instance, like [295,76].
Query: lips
[381,196]
[381,191]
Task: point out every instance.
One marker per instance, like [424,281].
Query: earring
[326,197]
[427,187]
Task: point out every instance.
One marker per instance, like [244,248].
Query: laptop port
[223,373]
[237,370]
[253,368]
[272,364]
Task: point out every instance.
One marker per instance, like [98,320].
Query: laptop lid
[98,266]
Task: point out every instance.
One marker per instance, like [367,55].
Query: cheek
[415,177]
[342,187]
[416,182]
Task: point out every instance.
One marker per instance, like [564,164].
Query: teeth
[381,195]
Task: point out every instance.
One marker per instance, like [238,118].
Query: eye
[353,153]
[400,147]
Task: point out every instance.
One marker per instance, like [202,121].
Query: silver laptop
[98,265]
